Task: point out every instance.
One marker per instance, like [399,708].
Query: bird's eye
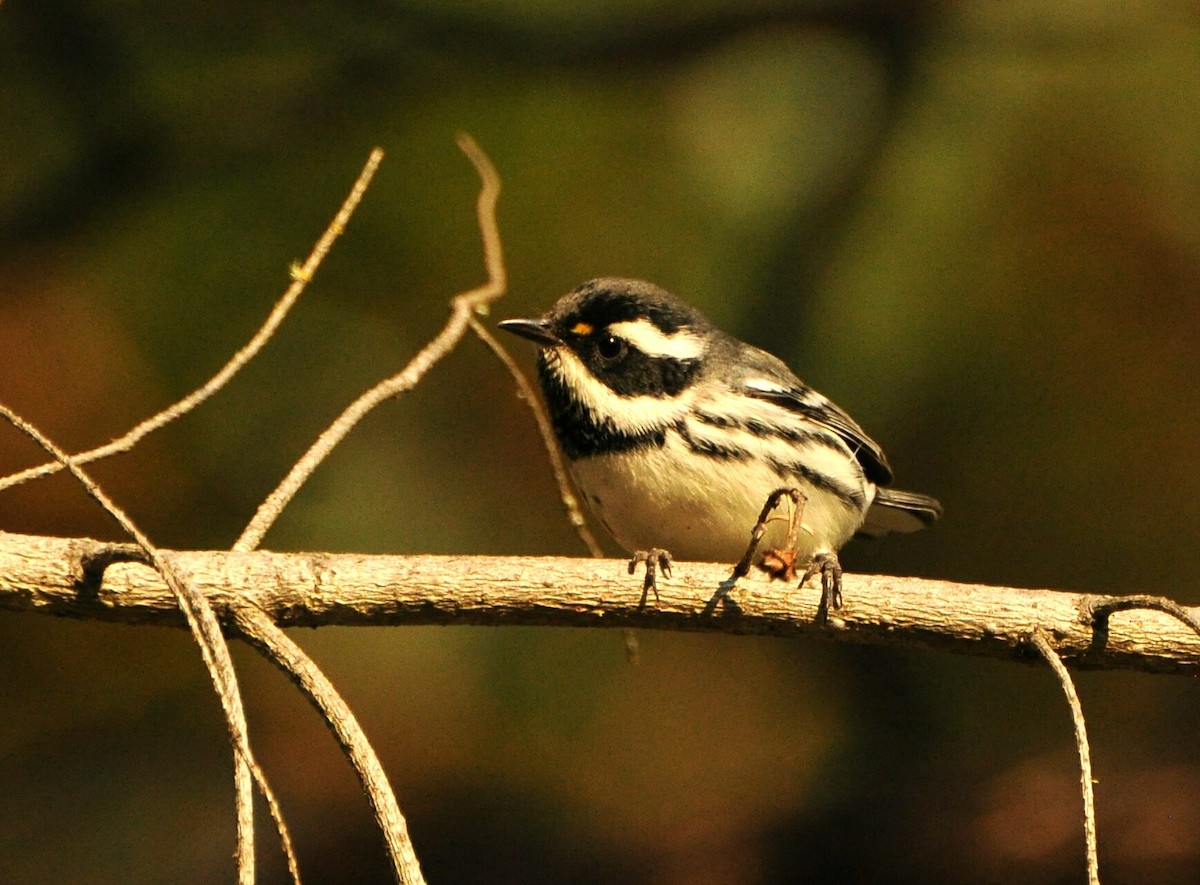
[610,347]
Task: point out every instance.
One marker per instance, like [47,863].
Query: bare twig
[273,806]
[1041,642]
[489,231]
[462,308]
[301,275]
[566,493]
[289,657]
[527,393]
[281,828]
[1101,608]
[268,638]
[318,589]
[207,632]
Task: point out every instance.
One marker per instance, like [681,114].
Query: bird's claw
[831,579]
[656,560]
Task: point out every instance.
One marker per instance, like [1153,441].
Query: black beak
[537,331]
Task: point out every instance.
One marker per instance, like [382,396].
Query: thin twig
[281,827]
[289,657]
[559,469]
[268,794]
[205,629]
[462,308]
[301,275]
[493,257]
[1042,643]
[270,640]
[1100,609]
[489,231]
[566,493]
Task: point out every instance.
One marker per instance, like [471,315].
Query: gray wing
[775,383]
[765,377]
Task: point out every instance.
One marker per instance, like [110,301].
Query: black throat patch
[582,433]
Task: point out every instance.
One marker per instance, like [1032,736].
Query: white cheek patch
[629,414]
[653,341]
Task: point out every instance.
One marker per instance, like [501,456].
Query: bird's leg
[826,562]
[656,560]
[794,517]
[764,518]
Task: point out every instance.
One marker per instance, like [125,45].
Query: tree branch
[316,589]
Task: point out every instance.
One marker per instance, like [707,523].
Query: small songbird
[677,434]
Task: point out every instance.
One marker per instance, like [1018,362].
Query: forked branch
[462,308]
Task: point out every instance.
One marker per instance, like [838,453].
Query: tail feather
[897,511]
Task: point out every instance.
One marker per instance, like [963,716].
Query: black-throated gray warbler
[677,433]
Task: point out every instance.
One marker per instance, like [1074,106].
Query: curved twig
[301,275]
[1100,609]
[462,308]
[275,645]
[205,629]
[557,467]
[1041,642]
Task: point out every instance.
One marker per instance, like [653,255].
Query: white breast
[704,508]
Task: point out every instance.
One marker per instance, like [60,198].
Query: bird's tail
[897,511]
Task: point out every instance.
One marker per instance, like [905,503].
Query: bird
[683,439]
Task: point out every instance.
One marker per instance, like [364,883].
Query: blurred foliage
[976,226]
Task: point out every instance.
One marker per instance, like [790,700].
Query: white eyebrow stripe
[653,341]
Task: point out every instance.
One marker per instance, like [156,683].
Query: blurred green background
[975,225]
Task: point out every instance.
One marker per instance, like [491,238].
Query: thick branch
[57,576]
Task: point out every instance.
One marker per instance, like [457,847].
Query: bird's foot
[656,560]
[830,569]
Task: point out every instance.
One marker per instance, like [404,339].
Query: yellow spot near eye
[581,328]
